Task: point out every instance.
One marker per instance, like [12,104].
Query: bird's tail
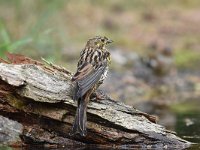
[79,126]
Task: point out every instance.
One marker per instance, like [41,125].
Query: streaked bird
[92,69]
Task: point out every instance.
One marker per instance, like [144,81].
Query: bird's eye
[103,40]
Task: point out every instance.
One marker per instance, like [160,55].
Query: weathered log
[39,98]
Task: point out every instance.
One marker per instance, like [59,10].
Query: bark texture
[39,98]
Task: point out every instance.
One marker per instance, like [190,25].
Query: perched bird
[92,69]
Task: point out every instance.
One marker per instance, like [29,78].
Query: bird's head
[98,42]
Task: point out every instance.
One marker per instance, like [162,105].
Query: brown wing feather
[86,78]
[85,69]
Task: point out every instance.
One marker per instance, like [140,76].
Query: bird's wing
[86,77]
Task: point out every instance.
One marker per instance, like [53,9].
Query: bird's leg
[99,95]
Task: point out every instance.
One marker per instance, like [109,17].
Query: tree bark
[39,97]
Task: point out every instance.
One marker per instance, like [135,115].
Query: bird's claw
[99,95]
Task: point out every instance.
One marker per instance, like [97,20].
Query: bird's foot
[99,95]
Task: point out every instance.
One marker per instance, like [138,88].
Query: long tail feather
[79,126]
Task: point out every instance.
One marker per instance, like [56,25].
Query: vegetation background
[57,30]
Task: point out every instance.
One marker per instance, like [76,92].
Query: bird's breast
[104,75]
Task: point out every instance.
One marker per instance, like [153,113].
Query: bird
[92,69]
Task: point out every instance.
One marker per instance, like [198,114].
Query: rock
[123,57]
[9,131]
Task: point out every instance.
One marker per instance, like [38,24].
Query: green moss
[189,106]
[13,101]
[5,148]
[187,59]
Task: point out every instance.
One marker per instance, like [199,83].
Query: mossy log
[39,97]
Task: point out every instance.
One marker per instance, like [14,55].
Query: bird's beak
[109,41]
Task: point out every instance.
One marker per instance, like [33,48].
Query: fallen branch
[39,97]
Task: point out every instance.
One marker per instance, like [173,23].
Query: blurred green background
[57,30]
